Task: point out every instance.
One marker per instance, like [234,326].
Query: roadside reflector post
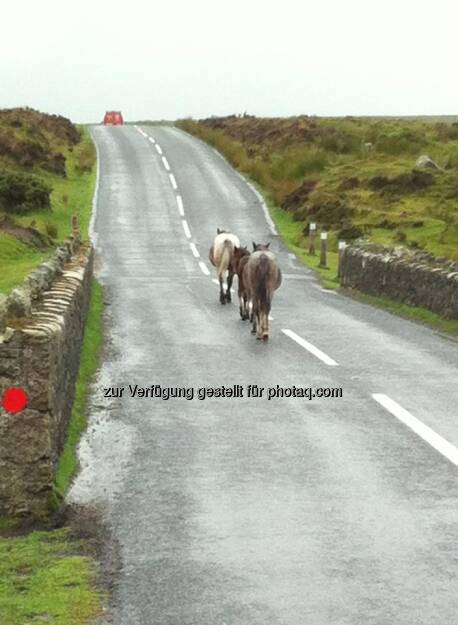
[323,249]
[312,235]
[341,246]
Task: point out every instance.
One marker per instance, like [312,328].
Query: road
[249,511]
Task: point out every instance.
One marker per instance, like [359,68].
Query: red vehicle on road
[113,118]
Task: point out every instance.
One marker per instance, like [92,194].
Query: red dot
[14,399]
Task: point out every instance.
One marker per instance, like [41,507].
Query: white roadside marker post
[323,248]
[342,245]
[312,234]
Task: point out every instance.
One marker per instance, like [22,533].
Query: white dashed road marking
[194,250]
[180,205]
[310,348]
[423,431]
[173,181]
[204,268]
[166,163]
[158,148]
[186,229]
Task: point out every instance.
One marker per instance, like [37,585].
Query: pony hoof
[228,298]
[265,337]
[253,331]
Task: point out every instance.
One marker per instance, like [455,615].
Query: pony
[220,256]
[239,261]
[262,276]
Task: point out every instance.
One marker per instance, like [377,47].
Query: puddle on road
[105,449]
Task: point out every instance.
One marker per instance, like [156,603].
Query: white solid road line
[158,148]
[173,181]
[180,205]
[204,268]
[310,348]
[166,163]
[186,229]
[436,441]
[194,250]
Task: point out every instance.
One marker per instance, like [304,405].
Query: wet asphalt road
[248,511]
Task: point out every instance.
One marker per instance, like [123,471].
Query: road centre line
[152,140]
[194,250]
[158,148]
[186,229]
[180,205]
[204,268]
[431,437]
[310,348]
[166,163]
[173,181]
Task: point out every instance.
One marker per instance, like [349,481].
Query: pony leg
[241,304]
[222,297]
[259,326]
[265,327]
[254,320]
[230,278]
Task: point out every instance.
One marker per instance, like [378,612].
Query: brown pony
[220,256]
[262,277]
[239,261]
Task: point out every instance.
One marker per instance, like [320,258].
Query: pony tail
[262,274]
[226,256]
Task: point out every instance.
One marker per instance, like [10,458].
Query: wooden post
[342,245]
[75,235]
[312,235]
[324,239]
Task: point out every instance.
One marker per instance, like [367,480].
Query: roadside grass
[16,260]
[71,195]
[44,578]
[414,313]
[90,352]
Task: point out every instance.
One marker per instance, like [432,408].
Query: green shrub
[22,193]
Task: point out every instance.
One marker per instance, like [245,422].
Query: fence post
[323,248]
[312,234]
[342,245]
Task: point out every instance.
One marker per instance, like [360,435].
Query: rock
[19,303]
[425,161]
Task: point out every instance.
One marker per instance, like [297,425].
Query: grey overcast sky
[156,60]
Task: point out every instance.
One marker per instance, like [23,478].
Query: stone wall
[414,278]
[41,329]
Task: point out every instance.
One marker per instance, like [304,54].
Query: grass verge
[90,351]
[44,578]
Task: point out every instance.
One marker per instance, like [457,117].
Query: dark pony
[262,276]
[239,261]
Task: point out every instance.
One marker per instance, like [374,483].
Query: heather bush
[22,193]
